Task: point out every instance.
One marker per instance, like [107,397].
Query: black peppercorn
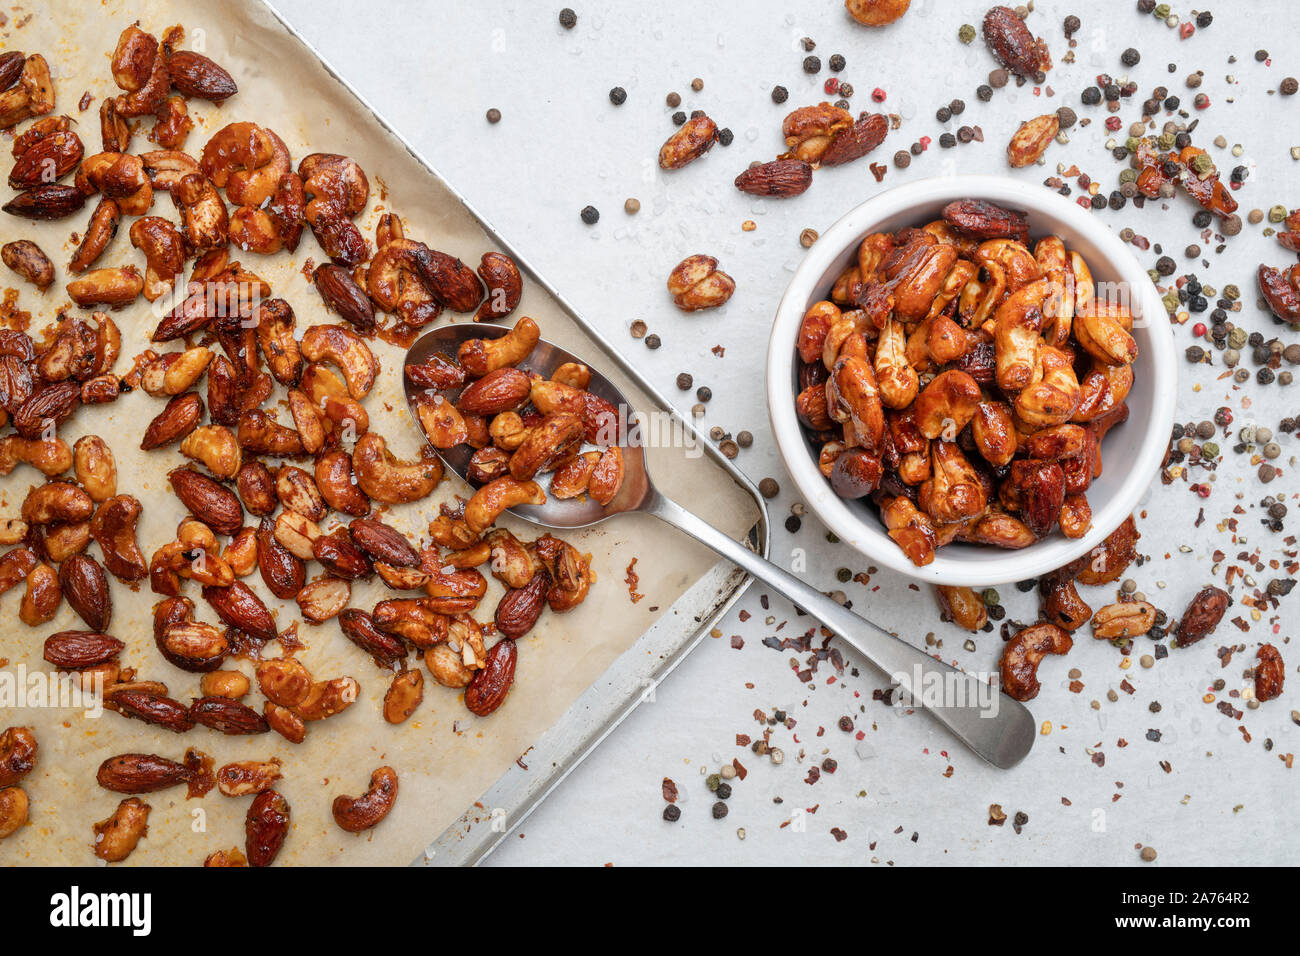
[672,813]
[679,118]
[1204,19]
[725,136]
[957,107]
[1172,102]
[1130,57]
[1166,266]
[984,92]
[943,114]
[1111,93]
[618,96]
[793,524]
[568,19]
[1091,96]
[1146,6]
[719,810]
[1195,353]
[1117,200]
[1197,303]
[836,62]
[703,393]
[1072,25]
[590,215]
[812,64]
[947,141]
[1098,201]
[1182,140]
[652,341]
[780,94]
[1201,219]
[1264,376]
[1261,56]
[723,791]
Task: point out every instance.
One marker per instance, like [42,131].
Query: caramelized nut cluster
[964,382]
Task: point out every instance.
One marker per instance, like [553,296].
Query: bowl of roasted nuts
[971,380]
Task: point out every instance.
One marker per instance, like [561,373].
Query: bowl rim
[1000,566]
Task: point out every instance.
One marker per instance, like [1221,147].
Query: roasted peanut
[1125,619]
[404,695]
[117,837]
[697,283]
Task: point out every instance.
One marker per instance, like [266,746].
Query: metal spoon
[998,728]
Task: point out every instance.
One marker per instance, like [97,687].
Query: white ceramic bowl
[1131,453]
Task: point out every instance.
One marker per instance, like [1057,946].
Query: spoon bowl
[996,727]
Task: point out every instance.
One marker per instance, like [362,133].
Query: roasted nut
[256,488]
[116,837]
[227,716]
[38,412]
[113,528]
[152,708]
[215,447]
[42,598]
[50,456]
[259,434]
[1270,673]
[339,346]
[411,619]
[284,681]
[404,695]
[382,542]
[297,491]
[179,417]
[247,161]
[265,827]
[1011,43]
[17,754]
[355,814]
[488,503]
[436,372]
[1040,490]
[26,258]
[341,295]
[962,606]
[488,690]
[112,287]
[204,219]
[441,421]
[1125,619]
[240,607]
[1022,654]
[552,440]
[478,357]
[780,177]
[505,287]
[519,609]
[1075,517]
[32,94]
[1061,603]
[1029,142]
[194,646]
[85,585]
[296,534]
[95,467]
[697,283]
[384,478]
[359,628]
[211,502]
[74,650]
[323,599]
[334,179]
[285,723]
[327,698]
[141,773]
[501,390]
[449,281]
[876,13]
[99,233]
[243,777]
[197,76]
[691,140]
[338,485]
[13,810]
[985,220]
[232,684]
[1202,615]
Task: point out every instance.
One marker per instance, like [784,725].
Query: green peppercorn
[966,34]
[713,781]
[990,596]
[1210,450]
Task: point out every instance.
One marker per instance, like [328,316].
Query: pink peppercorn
[1198,329]
[925,143]
[1186,30]
[1203,490]
[1113,123]
[831,85]
[878,95]
[1085,202]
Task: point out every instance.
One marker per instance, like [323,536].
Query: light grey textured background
[433,69]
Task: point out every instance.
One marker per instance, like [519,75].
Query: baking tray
[597,707]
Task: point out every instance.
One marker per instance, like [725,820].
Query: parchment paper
[445,757]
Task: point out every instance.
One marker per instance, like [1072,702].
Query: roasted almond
[242,609]
[227,716]
[448,280]
[1011,43]
[48,159]
[359,628]
[179,417]
[141,773]
[340,556]
[265,827]
[383,542]
[46,202]
[47,409]
[208,500]
[502,390]
[1202,616]
[780,177]
[343,296]
[282,571]
[73,650]
[156,709]
[195,75]
[520,607]
[857,140]
[488,690]
[85,585]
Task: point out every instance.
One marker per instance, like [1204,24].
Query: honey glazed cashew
[935,375]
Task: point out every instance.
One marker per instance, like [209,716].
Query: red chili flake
[1113,123]
[878,170]
[737,641]
[878,95]
[831,85]
[840,835]
[669,790]
[743,740]
[814,774]
[741,772]
[1198,329]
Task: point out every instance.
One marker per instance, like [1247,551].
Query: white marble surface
[433,69]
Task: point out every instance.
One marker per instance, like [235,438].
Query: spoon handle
[998,728]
